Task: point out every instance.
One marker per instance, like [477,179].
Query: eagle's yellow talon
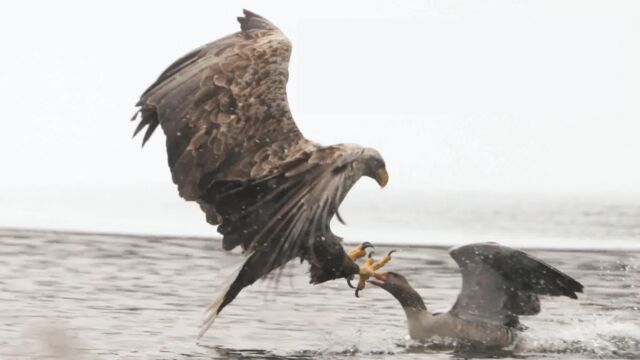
[368,269]
[359,251]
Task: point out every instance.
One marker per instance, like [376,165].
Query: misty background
[506,120]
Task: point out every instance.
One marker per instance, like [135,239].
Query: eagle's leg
[369,269]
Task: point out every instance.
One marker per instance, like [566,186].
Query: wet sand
[97,296]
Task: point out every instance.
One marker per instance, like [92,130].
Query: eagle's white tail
[212,311]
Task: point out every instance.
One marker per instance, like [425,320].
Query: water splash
[602,336]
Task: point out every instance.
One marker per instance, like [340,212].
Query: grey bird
[498,284]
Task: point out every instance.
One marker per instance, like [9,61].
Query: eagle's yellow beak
[382,177]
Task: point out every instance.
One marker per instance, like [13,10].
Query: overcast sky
[532,96]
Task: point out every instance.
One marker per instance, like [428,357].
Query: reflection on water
[88,296]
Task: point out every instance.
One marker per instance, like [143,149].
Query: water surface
[97,296]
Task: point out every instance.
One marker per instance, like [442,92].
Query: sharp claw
[360,250]
[391,252]
[367,244]
[349,283]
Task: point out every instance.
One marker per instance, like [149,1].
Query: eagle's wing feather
[224,110]
[231,140]
[280,217]
[275,210]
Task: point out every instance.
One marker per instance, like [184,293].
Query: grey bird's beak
[378,279]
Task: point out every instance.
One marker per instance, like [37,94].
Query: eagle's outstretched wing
[232,144]
[223,108]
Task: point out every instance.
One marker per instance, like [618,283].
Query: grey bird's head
[398,286]
[392,282]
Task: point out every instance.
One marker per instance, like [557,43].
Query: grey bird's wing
[499,283]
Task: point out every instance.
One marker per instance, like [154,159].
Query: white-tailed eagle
[234,148]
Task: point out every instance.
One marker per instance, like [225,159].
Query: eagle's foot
[369,269]
[355,254]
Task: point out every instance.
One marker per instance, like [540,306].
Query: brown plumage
[234,148]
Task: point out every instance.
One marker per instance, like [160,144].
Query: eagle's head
[374,166]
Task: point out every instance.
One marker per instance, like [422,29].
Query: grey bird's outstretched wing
[499,283]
